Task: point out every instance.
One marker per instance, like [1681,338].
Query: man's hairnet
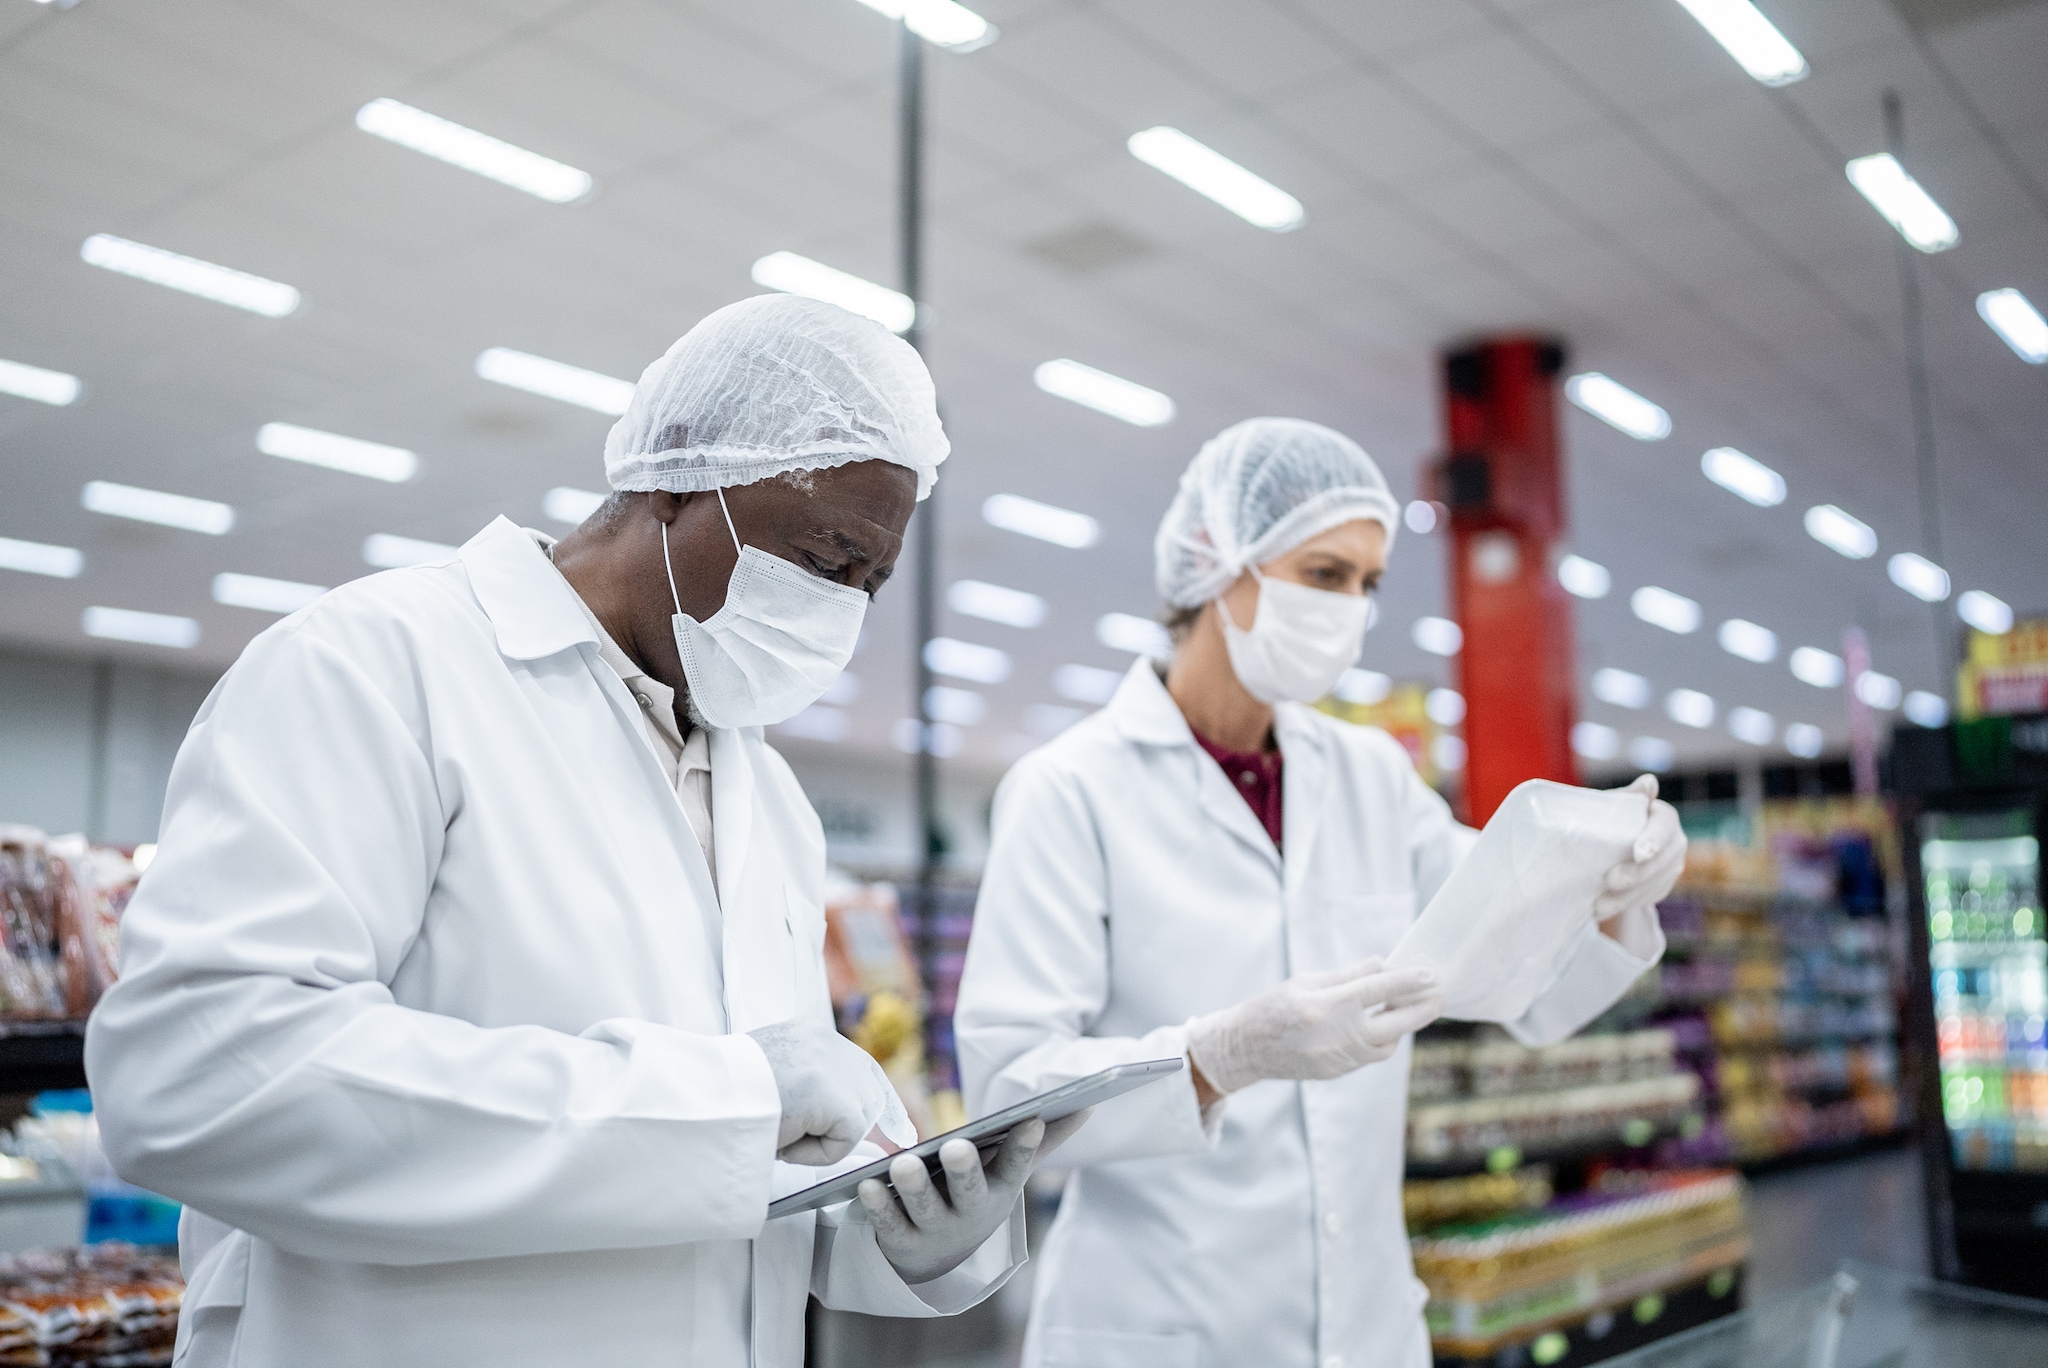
[773,384]
[1257,490]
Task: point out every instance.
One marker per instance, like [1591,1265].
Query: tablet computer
[988,1132]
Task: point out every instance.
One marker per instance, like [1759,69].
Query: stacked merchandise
[1552,1283]
[101,1306]
[937,920]
[60,914]
[877,992]
[1779,986]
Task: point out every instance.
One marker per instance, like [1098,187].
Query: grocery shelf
[1621,1144]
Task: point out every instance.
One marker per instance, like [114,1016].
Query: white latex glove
[926,1233]
[1654,863]
[833,1093]
[1320,1025]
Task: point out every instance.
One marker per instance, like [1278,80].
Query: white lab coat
[1130,888]
[428,1005]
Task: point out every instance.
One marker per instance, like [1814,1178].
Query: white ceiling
[1596,168]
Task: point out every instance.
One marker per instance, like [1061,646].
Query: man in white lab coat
[1209,868]
[476,990]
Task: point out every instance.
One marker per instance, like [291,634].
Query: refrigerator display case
[1972,811]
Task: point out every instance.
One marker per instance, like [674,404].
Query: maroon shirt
[1256,777]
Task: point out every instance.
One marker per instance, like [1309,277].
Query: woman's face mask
[780,640]
[1300,640]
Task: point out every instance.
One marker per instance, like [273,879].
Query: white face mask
[782,637]
[1301,640]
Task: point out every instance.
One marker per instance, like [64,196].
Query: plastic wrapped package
[60,911]
[1503,924]
[99,1306]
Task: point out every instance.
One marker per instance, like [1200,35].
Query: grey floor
[1803,1222]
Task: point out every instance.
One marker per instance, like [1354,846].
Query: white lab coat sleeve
[850,1272]
[252,1062]
[1037,979]
[1598,971]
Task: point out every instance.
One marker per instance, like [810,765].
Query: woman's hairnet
[773,384]
[1257,490]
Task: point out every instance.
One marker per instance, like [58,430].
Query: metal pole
[1924,454]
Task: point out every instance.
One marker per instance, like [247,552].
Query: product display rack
[36,1056]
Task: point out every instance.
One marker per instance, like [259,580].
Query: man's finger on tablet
[921,1200]
[1056,1132]
[1012,1163]
[883,1212]
[966,1187]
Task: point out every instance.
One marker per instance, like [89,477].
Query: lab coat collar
[1145,712]
[531,607]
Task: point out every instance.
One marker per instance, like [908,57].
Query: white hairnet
[773,384]
[1257,490]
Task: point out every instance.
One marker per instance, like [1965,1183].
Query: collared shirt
[1256,777]
[687,763]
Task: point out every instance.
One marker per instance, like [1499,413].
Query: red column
[1503,478]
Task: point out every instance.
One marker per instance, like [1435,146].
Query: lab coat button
[1332,1223]
[646,700]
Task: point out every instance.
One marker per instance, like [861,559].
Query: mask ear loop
[1224,608]
[669,566]
[728,522]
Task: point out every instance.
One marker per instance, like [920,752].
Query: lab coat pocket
[211,1316]
[1118,1349]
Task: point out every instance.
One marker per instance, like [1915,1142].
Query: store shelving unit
[39,1055]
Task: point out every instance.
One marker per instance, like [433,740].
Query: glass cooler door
[1988,963]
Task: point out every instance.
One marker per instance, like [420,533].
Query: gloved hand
[927,1234]
[833,1093]
[1314,1025]
[1654,863]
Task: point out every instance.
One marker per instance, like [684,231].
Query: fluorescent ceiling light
[1618,406]
[1842,532]
[350,455]
[1446,707]
[1743,638]
[1926,709]
[1438,636]
[1879,690]
[567,504]
[555,380]
[487,156]
[1662,608]
[387,552]
[1050,719]
[1804,740]
[1587,579]
[1744,476]
[1103,392]
[1908,208]
[941,22]
[844,689]
[1420,515]
[2011,315]
[221,284]
[148,629]
[1689,707]
[264,595]
[817,723]
[944,737]
[1621,688]
[1918,576]
[1085,683]
[1750,39]
[1595,742]
[1822,669]
[1364,687]
[1030,518]
[1753,725]
[799,275]
[961,707]
[39,558]
[155,506]
[1652,753]
[1988,613]
[33,382]
[1449,752]
[1208,172]
[1139,636]
[965,660]
[994,603]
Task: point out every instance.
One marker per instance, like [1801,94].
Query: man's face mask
[780,640]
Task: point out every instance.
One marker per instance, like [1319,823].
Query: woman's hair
[1180,621]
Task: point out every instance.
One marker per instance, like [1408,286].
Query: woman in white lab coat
[1207,868]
